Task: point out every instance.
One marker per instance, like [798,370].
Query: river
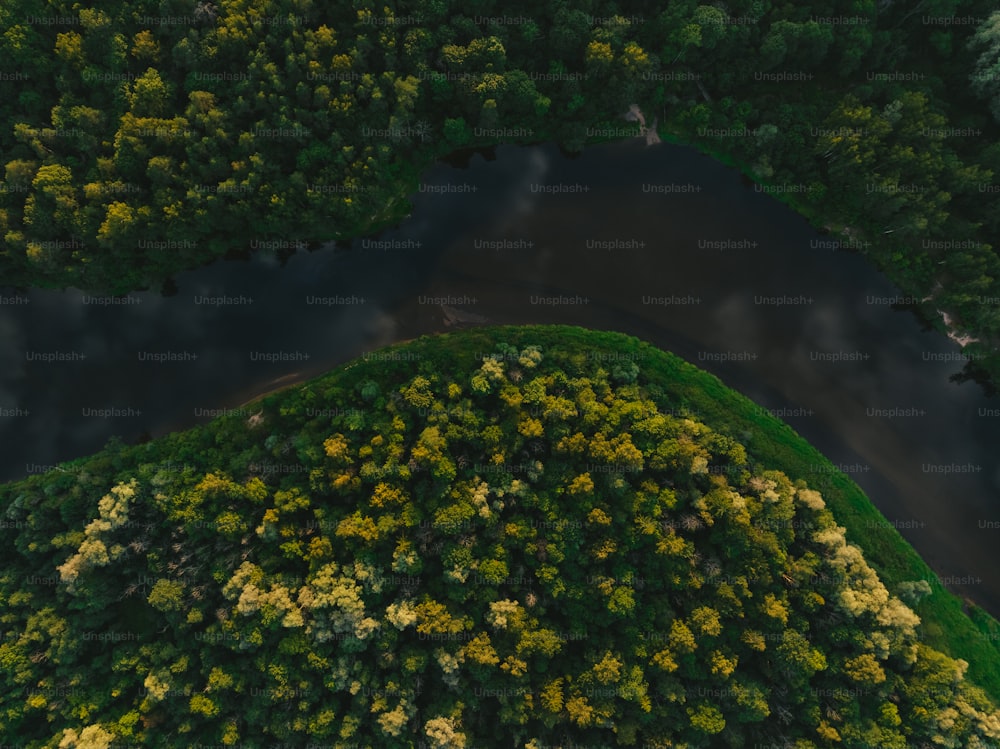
[659,242]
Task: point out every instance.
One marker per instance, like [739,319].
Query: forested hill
[499,538]
[145,137]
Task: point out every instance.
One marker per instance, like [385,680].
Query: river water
[657,242]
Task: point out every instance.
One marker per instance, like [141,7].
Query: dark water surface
[620,238]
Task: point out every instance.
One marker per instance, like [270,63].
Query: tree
[52,205]
[337,448]
[69,49]
[430,450]
[608,669]
[798,660]
[985,78]
[480,650]
[712,24]
[486,54]
[681,638]
[145,48]
[418,393]
[393,722]
[167,595]
[94,550]
[681,40]
[204,705]
[599,57]
[91,737]
[806,43]
[775,47]
[433,617]
[407,91]
[444,734]
[552,696]
[706,621]
[864,669]
[580,711]
[521,98]
[457,132]
[913,591]
[569,26]
[706,719]
[120,222]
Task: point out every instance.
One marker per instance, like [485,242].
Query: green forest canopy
[146,137]
[500,537]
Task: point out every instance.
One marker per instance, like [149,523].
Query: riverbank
[980,368]
[292,380]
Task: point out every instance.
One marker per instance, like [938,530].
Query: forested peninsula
[142,138]
[503,537]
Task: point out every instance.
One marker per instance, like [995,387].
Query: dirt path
[634,114]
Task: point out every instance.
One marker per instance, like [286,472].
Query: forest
[508,537]
[142,138]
